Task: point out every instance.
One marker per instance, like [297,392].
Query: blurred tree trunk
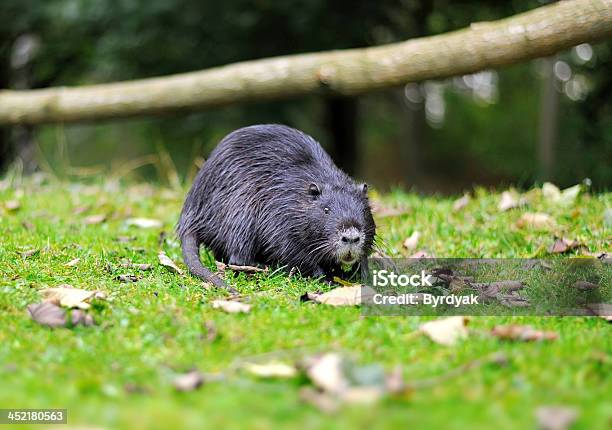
[341,119]
[413,127]
[549,119]
[412,139]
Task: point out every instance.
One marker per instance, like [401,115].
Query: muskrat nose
[350,236]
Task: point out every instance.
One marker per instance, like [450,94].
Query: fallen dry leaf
[585,285]
[67,296]
[29,253]
[536,220]
[421,254]
[411,243]
[188,381]
[72,263]
[567,197]
[564,245]
[139,266]
[446,331]
[222,267]
[80,317]
[144,222]
[125,239]
[509,200]
[461,203]
[522,333]
[94,219]
[326,372]
[494,289]
[345,296]
[513,300]
[80,210]
[12,205]
[273,369]
[165,261]
[231,306]
[555,417]
[48,314]
[603,310]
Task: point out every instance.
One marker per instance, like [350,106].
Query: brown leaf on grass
[222,267]
[562,245]
[585,285]
[48,314]
[344,382]
[566,197]
[28,225]
[326,372]
[188,381]
[513,300]
[461,203]
[80,317]
[127,278]
[555,417]
[493,289]
[522,333]
[144,222]
[80,210]
[273,369]
[73,262]
[125,239]
[165,261]
[603,310]
[67,296]
[139,266]
[536,221]
[509,200]
[345,296]
[446,331]
[412,242]
[94,219]
[12,205]
[29,253]
[231,306]
[421,254]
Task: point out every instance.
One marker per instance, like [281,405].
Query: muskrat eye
[314,190]
[326,210]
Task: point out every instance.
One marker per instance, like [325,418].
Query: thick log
[540,32]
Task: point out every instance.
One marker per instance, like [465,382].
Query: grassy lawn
[119,373]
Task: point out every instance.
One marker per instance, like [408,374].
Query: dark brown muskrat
[270,195]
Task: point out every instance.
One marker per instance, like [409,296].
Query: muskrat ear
[364,189]
[314,190]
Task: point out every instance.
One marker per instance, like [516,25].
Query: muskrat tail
[191,256]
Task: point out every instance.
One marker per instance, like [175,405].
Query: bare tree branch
[537,33]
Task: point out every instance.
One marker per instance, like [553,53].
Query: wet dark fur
[252,203]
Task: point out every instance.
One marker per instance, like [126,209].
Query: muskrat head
[345,221]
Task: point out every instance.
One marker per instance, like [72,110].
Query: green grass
[151,329]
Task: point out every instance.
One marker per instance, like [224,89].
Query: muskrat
[270,195]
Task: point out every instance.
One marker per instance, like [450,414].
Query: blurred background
[549,119]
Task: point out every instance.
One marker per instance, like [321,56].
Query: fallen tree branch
[540,32]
